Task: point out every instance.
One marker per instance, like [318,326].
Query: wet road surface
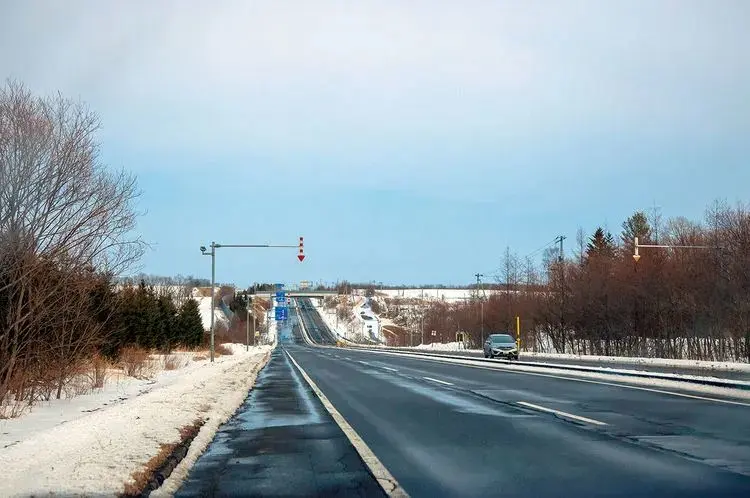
[281,442]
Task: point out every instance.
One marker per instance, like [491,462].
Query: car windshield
[502,339]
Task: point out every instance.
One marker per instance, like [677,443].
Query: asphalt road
[607,364]
[281,442]
[455,430]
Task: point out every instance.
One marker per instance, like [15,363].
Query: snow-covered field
[450,295]
[92,444]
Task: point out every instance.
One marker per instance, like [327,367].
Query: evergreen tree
[635,226]
[190,324]
[166,327]
[601,244]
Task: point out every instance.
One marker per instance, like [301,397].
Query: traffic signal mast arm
[637,256]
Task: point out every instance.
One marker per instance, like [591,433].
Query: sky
[408,142]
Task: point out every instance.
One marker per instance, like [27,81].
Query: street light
[215,246]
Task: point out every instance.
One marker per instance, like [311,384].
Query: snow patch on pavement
[93,444]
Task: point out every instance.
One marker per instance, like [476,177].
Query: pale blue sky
[409,142]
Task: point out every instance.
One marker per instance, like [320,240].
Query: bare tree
[61,211]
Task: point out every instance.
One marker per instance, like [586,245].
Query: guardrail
[707,381]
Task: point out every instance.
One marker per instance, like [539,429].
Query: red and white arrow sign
[301,255]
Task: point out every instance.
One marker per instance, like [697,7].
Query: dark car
[502,346]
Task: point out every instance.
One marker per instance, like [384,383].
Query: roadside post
[518,333]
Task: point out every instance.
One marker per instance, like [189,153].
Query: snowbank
[204,306]
[728,366]
[449,346]
[611,375]
[93,444]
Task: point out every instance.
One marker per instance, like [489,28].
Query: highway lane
[724,374]
[314,324]
[453,430]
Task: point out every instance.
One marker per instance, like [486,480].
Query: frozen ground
[93,444]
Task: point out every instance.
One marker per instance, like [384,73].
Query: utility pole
[481,304]
[561,261]
[421,318]
[212,253]
[247,326]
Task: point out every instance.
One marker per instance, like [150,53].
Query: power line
[496,272]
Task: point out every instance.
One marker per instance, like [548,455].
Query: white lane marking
[386,480]
[438,381]
[363,362]
[500,368]
[391,369]
[560,413]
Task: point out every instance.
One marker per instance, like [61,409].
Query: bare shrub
[134,361]
[223,350]
[13,408]
[174,361]
[200,357]
[65,221]
[99,371]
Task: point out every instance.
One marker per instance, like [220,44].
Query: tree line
[690,300]
[66,229]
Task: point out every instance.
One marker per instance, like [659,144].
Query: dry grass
[174,361]
[223,350]
[13,409]
[134,361]
[200,357]
[99,368]
[141,478]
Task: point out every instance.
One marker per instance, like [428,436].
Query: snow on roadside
[726,366]
[329,318]
[610,376]
[93,444]
[449,346]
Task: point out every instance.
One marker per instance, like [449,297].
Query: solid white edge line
[385,479]
[560,413]
[500,368]
[438,380]
[391,369]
